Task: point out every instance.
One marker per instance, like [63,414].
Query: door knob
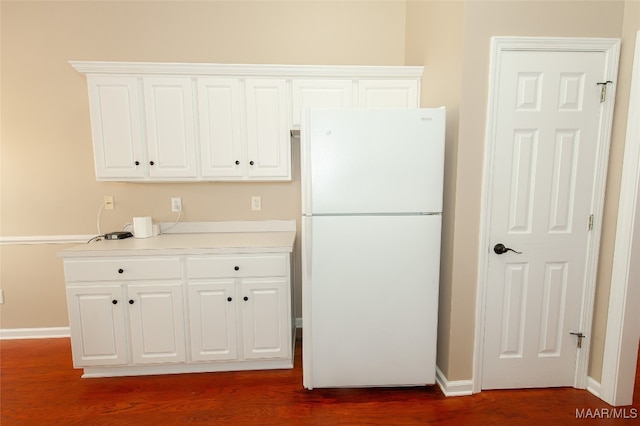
[501,249]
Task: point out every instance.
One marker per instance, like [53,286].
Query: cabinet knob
[245,298]
[229,299]
[236,268]
[237,163]
[251,162]
[151,163]
[115,302]
[131,301]
[120,270]
[137,163]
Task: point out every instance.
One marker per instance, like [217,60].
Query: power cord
[175,223]
[99,215]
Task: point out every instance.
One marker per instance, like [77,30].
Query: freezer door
[370,300]
[372,161]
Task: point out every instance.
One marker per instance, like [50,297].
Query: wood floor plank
[40,387]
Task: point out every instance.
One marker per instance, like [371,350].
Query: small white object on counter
[142,227]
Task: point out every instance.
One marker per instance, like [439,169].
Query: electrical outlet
[256,203]
[176,204]
[109,203]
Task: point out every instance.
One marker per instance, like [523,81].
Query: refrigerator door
[370,298]
[372,161]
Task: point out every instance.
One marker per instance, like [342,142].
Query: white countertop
[189,243]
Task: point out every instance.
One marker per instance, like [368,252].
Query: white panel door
[220,122]
[266,325]
[157,323]
[212,320]
[97,325]
[169,114]
[370,300]
[319,94]
[373,161]
[268,129]
[388,94]
[116,125]
[547,136]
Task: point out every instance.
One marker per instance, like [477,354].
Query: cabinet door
[220,127]
[116,126]
[319,94]
[212,320]
[170,127]
[97,325]
[388,94]
[268,130]
[156,316]
[266,318]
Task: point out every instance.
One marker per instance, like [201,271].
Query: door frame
[623,328]
[499,45]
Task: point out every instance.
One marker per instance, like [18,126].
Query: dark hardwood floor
[40,387]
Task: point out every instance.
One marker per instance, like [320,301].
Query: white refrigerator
[371,224]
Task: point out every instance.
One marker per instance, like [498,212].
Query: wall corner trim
[454,387]
[593,386]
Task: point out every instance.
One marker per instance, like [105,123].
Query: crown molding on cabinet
[246,70]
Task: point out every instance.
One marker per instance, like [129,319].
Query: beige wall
[48,185]
[435,41]
[47,182]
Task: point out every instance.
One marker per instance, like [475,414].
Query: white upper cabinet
[116,126]
[388,94]
[170,127]
[268,129]
[214,122]
[219,113]
[306,93]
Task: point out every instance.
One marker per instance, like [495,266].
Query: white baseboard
[454,387]
[52,332]
[593,386]
[33,333]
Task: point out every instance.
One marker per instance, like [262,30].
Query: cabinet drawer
[237,266]
[122,269]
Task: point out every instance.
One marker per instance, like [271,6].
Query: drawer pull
[131,301]
[229,299]
[115,302]
[245,298]
[237,268]
[120,270]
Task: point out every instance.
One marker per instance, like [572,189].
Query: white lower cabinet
[134,315]
[266,317]
[106,327]
[239,307]
[212,321]
[156,320]
[97,325]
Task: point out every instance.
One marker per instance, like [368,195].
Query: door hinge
[590,222]
[603,89]
[580,336]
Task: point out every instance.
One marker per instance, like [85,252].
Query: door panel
[98,331]
[220,127]
[157,323]
[546,146]
[170,126]
[212,320]
[116,125]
